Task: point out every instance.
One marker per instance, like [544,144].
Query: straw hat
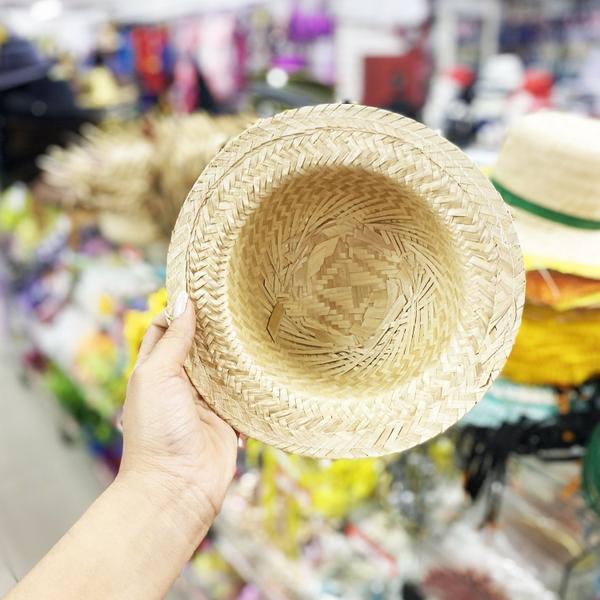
[548,170]
[140,172]
[183,147]
[357,282]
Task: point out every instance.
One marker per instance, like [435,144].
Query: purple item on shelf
[290,63]
[306,27]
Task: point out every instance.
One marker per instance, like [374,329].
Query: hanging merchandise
[446,98]
[508,402]
[484,451]
[310,43]
[312,331]
[122,60]
[501,75]
[535,93]
[217,55]
[153,60]
[400,83]
[185,87]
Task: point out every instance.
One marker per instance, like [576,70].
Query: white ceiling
[138,9]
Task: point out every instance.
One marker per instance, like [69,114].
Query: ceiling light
[277,77]
[45,10]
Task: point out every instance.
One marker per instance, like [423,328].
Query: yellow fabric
[103,89]
[588,301]
[533,263]
[333,488]
[336,488]
[559,348]
[136,322]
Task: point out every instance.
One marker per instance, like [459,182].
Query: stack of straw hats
[103,169]
[548,170]
[183,147]
[357,282]
[137,175]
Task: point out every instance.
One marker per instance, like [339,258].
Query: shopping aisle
[45,483]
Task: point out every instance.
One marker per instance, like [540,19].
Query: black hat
[20,63]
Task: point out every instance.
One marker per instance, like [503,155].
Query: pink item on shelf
[185,86]
[217,54]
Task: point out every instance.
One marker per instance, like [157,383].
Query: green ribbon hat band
[542,211]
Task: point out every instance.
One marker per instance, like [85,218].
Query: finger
[173,347]
[153,334]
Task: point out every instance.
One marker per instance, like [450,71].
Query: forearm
[131,543]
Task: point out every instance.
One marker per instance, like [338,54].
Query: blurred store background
[109,110]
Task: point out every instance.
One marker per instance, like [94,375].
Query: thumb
[172,349]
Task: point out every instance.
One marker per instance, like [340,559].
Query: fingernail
[180,304]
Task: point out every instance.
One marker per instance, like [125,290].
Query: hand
[172,440]
[178,460]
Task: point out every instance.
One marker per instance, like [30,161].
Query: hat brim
[248,380]
[550,245]
[19,77]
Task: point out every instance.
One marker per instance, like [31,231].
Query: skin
[178,461]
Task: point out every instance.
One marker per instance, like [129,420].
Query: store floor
[45,482]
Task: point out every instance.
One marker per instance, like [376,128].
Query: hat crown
[552,160]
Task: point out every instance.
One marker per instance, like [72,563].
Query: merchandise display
[136,176]
[404,333]
[554,202]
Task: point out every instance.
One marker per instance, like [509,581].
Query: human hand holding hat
[178,460]
[171,439]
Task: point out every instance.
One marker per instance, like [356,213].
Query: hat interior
[344,281]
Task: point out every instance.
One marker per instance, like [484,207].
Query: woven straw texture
[561,153]
[357,282]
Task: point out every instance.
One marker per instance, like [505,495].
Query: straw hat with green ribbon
[548,171]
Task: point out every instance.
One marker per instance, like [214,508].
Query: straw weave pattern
[357,282]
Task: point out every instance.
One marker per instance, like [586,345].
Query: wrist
[171,501]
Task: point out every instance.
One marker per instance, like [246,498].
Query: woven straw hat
[139,173]
[183,147]
[548,170]
[357,282]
